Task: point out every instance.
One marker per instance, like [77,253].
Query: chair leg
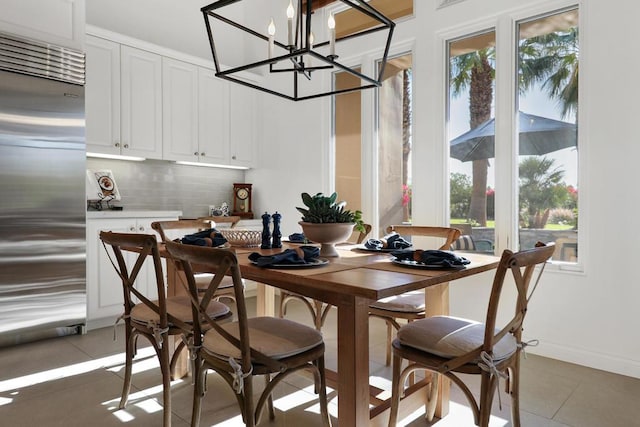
[389,339]
[322,393]
[272,412]
[514,391]
[432,398]
[487,390]
[166,382]
[396,391]
[199,374]
[130,339]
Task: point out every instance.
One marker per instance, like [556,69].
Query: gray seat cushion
[272,336]
[179,307]
[450,337]
[409,302]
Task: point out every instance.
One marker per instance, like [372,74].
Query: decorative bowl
[327,234]
[242,238]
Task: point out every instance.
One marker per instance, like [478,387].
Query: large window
[471,124]
[547,102]
[542,196]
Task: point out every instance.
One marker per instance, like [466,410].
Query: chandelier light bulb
[331,23]
[290,13]
[271,29]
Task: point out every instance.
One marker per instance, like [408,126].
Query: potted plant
[326,222]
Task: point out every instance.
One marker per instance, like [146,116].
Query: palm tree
[541,188]
[476,71]
[552,60]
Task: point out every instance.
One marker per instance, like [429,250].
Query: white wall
[584,317]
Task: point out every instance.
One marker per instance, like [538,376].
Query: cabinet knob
[233,157]
[126,145]
[117,144]
[132,228]
[202,154]
[141,228]
[195,154]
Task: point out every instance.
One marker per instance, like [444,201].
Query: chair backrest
[146,246]
[522,265]
[359,236]
[220,262]
[170,230]
[449,234]
[229,221]
[464,243]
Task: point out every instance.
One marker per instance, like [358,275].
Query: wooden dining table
[351,282]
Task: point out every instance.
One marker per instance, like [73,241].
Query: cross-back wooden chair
[171,230]
[155,319]
[229,221]
[448,345]
[317,309]
[410,305]
[247,347]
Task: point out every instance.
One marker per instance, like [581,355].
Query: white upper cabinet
[141,106]
[123,100]
[243,110]
[213,114]
[59,22]
[102,98]
[195,114]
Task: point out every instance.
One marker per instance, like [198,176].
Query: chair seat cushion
[409,302]
[179,307]
[450,337]
[272,336]
[464,243]
[204,279]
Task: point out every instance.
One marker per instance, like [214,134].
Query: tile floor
[77,381]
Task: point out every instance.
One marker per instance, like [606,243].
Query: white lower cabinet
[105,301]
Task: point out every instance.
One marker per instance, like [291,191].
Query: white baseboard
[589,358]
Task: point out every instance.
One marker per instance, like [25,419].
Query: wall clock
[242,200]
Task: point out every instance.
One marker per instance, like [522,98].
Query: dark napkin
[301,255]
[393,241]
[431,257]
[210,237]
[297,238]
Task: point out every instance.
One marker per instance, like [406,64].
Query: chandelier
[291,48]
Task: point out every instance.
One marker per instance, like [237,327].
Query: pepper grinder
[266,234]
[277,235]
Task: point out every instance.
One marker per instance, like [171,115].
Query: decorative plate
[416,264]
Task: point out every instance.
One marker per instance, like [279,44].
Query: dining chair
[229,221]
[318,309]
[448,346]
[410,305]
[171,230]
[239,350]
[156,319]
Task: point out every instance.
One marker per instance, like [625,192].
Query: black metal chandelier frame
[301,46]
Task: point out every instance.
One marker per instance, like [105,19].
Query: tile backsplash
[161,185]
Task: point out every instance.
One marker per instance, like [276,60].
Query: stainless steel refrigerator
[42,195]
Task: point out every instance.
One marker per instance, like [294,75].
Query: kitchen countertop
[133,214]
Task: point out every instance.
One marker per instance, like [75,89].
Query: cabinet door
[104,287]
[102,96]
[243,117]
[141,108]
[179,111]
[59,22]
[213,113]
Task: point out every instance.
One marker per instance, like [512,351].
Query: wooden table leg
[353,363]
[437,303]
[265,300]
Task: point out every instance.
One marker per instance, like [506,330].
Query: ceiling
[178,25]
